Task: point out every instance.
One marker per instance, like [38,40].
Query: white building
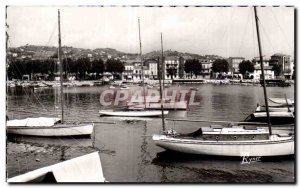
[233,63]
[171,62]
[206,67]
[128,72]
[269,73]
[151,67]
[284,62]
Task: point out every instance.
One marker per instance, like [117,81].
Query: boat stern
[156,137]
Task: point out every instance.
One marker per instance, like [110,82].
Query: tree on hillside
[277,69]
[220,65]
[172,71]
[97,67]
[246,66]
[82,67]
[197,67]
[51,66]
[16,69]
[188,67]
[193,66]
[114,66]
[181,67]
[67,64]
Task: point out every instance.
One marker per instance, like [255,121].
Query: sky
[224,31]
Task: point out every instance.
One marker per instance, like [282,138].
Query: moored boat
[47,127]
[275,109]
[132,113]
[282,101]
[181,105]
[281,118]
[85,168]
[124,87]
[50,127]
[193,89]
[233,141]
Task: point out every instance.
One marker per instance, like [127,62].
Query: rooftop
[281,54]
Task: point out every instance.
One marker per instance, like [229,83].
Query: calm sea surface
[126,148]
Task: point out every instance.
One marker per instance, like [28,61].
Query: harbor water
[127,151]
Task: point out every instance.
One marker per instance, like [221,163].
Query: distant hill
[155,54]
[44,52]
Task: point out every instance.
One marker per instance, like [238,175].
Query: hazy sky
[225,31]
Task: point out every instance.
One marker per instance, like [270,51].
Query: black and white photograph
[150,94]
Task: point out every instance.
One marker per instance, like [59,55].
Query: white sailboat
[168,104]
[180,105]
[154,103]
[282,101]
[282,108]
[277,118]
[132,113]
[50,127]
[85,168]
[232,140]
[135,111]
[278,105]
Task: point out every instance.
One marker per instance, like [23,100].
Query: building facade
[133,70]
[128,71]
[269,73]
[233,63]
[284,63]
[206,67]
[171,67]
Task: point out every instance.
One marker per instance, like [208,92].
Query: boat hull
[149,113]
[281,101]
[227,148]
[87,168]
[275,109]
[167,106]
[63,130]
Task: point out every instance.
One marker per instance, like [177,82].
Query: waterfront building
[233,63]
[128,71]
[171,67]
[151,69]
[206,67]
[284,62]
[133,70]
[269,73]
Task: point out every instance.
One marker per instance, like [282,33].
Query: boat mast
[142,63]
[262,71]
[287,104]
[162,60]
[161,89]
[60,70]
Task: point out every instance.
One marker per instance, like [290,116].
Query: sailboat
[168,103]
[50,127]
[86,168]
[278,105]
[282,101]
[135,111]
[233,140]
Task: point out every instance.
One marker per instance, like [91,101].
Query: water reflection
[178,167]
[126,148]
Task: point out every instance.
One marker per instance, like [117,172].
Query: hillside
[44,52]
